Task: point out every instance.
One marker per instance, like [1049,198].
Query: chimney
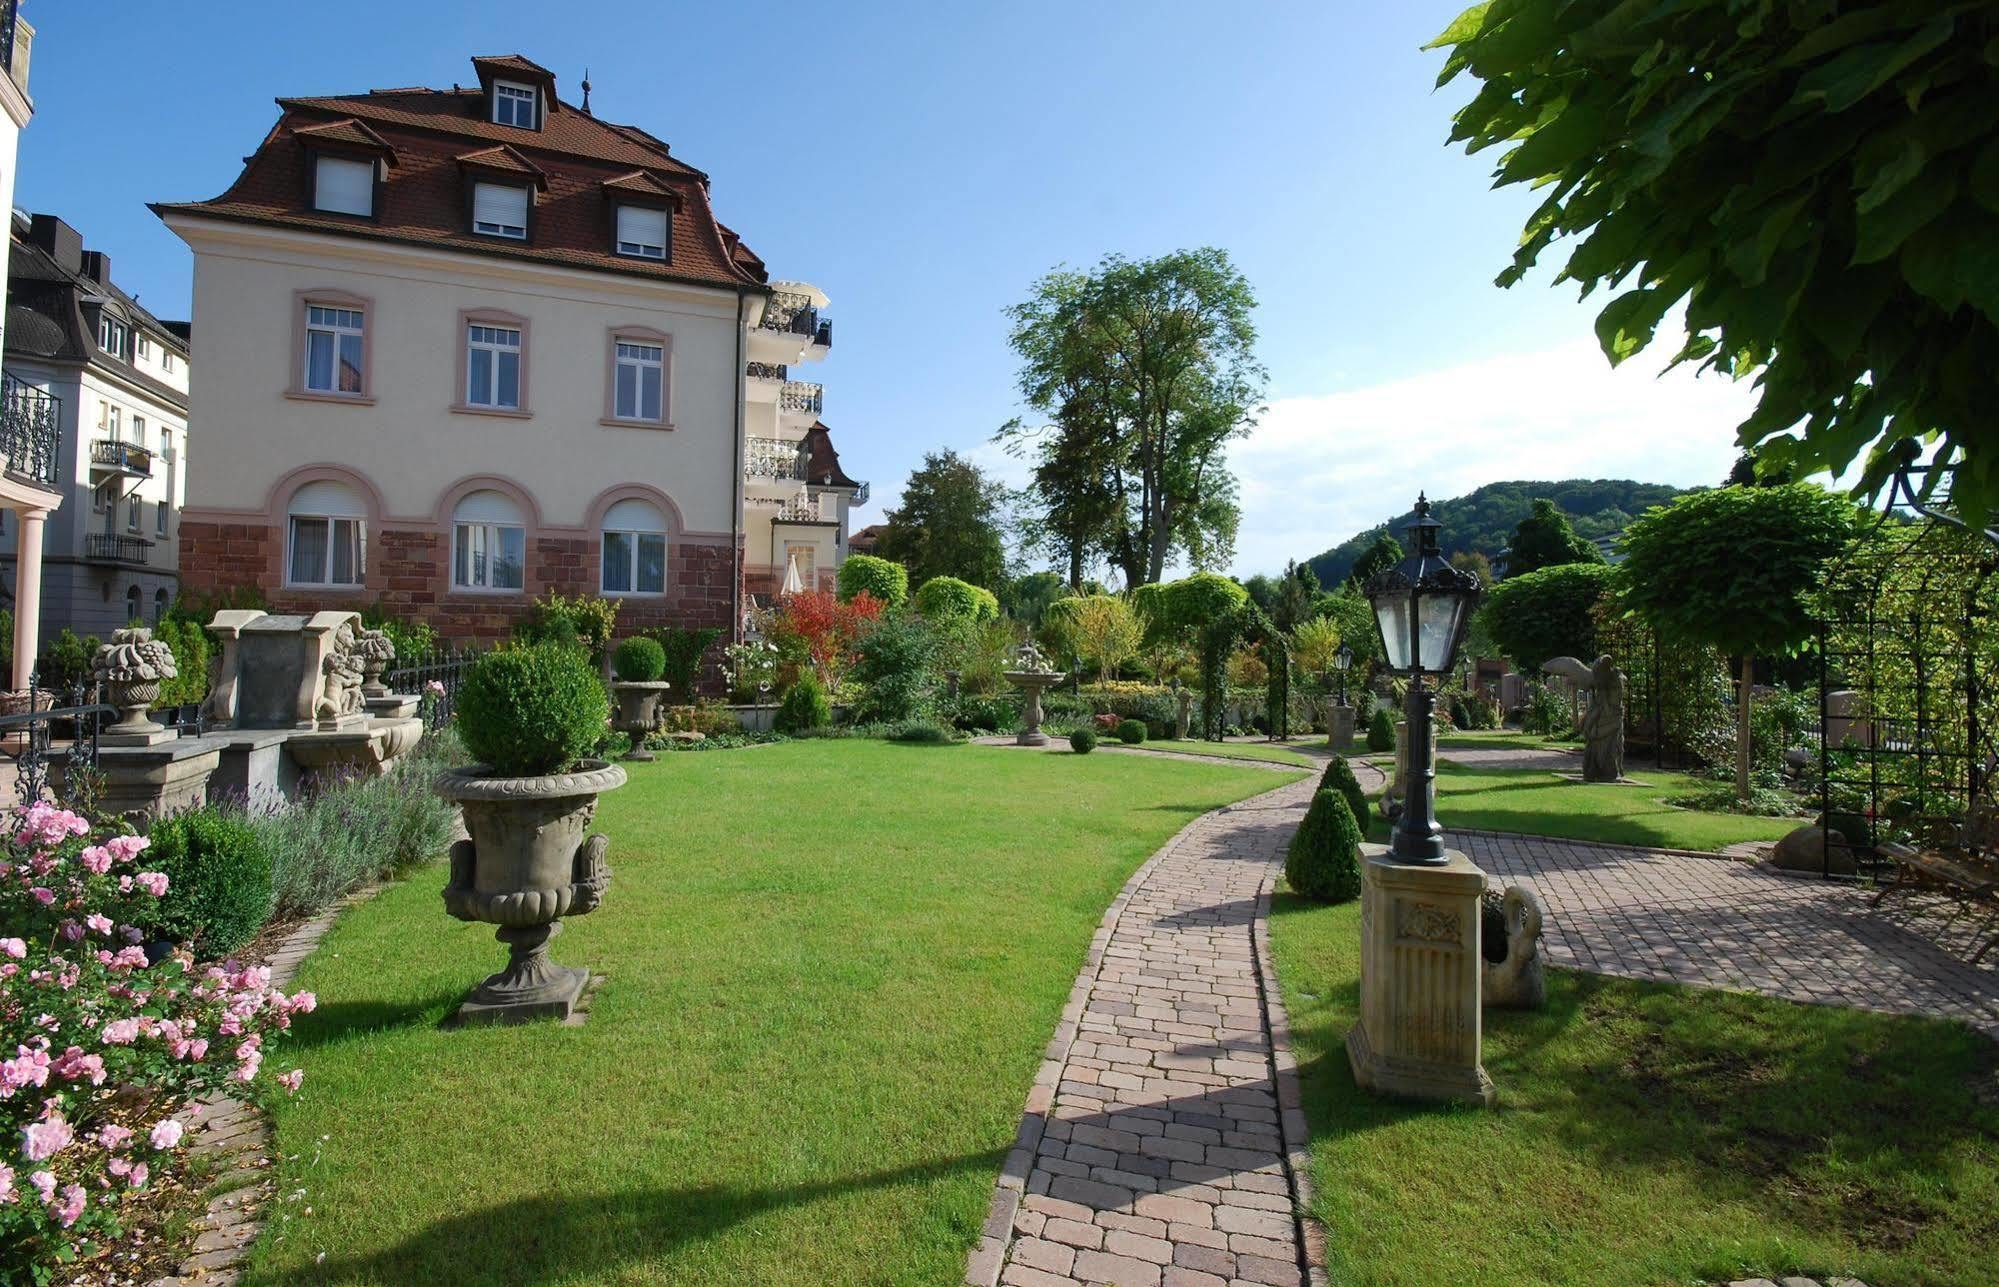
[97,267]
[58,240]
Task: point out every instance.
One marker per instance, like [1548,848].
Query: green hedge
[218,881]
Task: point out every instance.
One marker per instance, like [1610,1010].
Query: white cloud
[1319,468]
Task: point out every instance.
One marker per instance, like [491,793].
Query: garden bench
[1966,871]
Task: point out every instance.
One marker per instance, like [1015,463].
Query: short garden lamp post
[1342,663]
[1420,1024]
[1340,720]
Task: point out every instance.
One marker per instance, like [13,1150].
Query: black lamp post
[1343,662]
[1421,607]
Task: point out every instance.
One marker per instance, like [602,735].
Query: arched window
[634,549]
[327,535]
[488,543]
[159,605]
[132,605]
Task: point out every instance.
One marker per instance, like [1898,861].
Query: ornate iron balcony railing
[803,398]
[127,457]
[793,314]
[800,509]
[116,547]
[773,458]
[767,371]
[30,431]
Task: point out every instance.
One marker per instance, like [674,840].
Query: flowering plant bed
[105,1039]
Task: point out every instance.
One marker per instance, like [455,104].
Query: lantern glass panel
[1439,615]
[1391,613]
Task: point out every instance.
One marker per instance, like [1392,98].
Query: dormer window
[112,335]
[516,105]
[343,185]
[500,210]
[642,232]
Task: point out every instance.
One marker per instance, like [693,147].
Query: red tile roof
[504,160]
[585,162]
[350,133]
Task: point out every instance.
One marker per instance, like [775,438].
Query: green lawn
[1648,1136]
[832,969]
[1539,802]
[1269,752]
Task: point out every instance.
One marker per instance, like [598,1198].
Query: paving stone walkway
[1163,1143]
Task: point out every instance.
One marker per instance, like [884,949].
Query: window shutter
[500,203]
[640,226]
[345,187]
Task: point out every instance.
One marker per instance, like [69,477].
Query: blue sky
[924,163]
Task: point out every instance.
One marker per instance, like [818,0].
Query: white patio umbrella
[792,582]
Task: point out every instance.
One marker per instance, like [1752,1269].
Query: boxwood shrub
[1381,731]
[1131,732]
[1083,740]
[218,881]
[527,712]
[639,660]
[1339,777]
[1324,859]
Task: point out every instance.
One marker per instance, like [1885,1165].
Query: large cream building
[458,348]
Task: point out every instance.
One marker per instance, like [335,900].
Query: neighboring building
[119,378]
[28,417]
[867,539]
[462,347]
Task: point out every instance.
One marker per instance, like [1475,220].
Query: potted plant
[530,716]
[639,663]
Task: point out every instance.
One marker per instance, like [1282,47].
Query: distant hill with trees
[1483,521]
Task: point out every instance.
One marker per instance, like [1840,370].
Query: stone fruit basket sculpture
[530,716]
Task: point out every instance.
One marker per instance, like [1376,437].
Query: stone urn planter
[638,711]
[1033,679]
[529,862]
[132,667]
[376,651]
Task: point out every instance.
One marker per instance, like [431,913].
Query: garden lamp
[1343,662]
[1421,607]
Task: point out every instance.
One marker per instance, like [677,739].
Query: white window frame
[495,228]
[491,339]
[490,537]
[357,538]
[167,362]
[639,363]
[514,94]
[635,249]
[112,335]
[320,199]
[135,513]
[162,513]
[145,349]
[337,321]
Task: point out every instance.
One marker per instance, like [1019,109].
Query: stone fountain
[1034,677]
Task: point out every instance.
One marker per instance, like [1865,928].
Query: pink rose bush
[91,1023]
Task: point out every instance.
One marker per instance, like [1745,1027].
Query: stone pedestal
[254,771]
[1420,1026]
[149,782]
[1339,728]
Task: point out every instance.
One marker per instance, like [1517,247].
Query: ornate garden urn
[1033,678]
[376,651]
[132,667]
[638,711]
[528,863]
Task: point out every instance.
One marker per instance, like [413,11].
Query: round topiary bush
[1324,859]
[1083,740]
[218,881]
[804,707]
[1381,731]
[639,660]
[1131,732]
[881,578]
[1339,777]
[530,712]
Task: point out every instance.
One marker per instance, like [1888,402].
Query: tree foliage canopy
[1735,568]
[1544,539]
[948,523]
[1549,612]
[1817,184]
[946,598]
[1146,371]
[1383,553]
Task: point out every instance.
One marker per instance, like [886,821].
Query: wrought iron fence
[54,748]
[30,430]
[116,547]
[435,677]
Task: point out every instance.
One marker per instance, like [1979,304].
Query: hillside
[1484,520]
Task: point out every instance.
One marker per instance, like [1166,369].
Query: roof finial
[586,91]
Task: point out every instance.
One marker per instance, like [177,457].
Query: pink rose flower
[120,1032]
[7,1194]
[114,1137]
[95,859]
[13,947]
[292,1080]
[44,1182]
[71,1208]
[45,1139]
[167,1134]
[153,882]
[99,923]
[304,1003]
[43,895]
[77,1066]
[126,848]
[139,1172]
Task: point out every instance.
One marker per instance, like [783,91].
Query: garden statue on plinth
[375,651]
[1514,979]
[1033,678]
[530,715]
[132,667]
[1603,715]
[1184,713]
[639,663]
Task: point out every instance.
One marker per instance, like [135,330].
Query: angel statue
[1603,715]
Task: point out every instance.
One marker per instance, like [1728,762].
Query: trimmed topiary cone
[1381,731]
[1339,777]
[1324,859]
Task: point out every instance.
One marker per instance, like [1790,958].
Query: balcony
[116,547]
[111,459]
[799,509]
[767,371]
[802,398]
[790,314]
[30,431]
[773,458]
[823,337]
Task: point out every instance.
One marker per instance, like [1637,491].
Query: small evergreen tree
[1324,859]
[1381,731]
[1544,539]
[804,708]
[1339,777]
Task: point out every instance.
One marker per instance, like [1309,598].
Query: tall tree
[1292,603]
[1816,184]
[1735,569]
[948,523]
[1544,539]
[1146,372]
[1384,554]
